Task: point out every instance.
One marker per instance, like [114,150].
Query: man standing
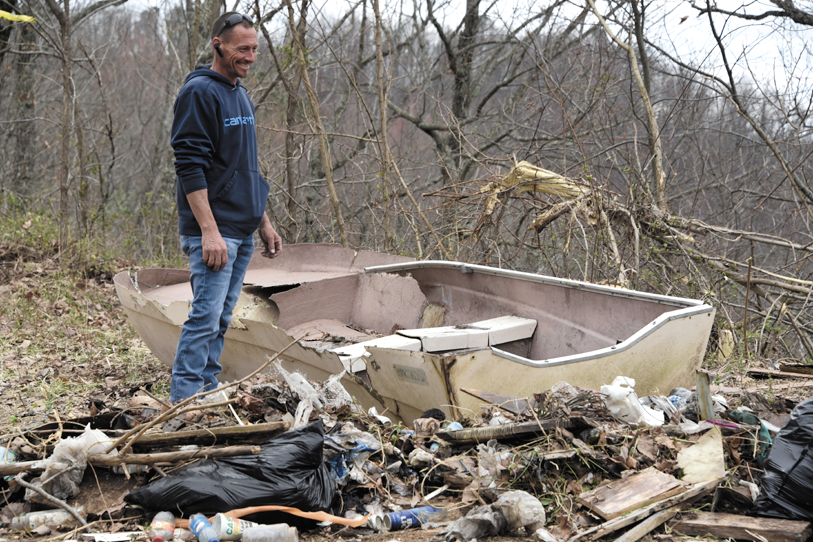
[221,198]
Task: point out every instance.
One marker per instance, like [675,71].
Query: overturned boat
[411,334]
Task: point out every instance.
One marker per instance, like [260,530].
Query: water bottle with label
[202,528]
[162,528]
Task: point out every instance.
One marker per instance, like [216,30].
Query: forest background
[673,162]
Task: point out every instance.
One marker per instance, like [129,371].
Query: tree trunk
[24,68]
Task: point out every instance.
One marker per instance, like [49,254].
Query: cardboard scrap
[705,460]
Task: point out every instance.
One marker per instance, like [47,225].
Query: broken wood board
[682,499]
[744,527]
[770,373]
[511,403]
[802,368]
[245,434]
[639,490]
[647,526]
[509,431]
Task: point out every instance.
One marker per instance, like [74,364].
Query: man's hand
[215,251]
[270,238]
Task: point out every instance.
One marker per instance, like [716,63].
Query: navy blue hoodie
[215,142]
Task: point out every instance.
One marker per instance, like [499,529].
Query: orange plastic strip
[318,516]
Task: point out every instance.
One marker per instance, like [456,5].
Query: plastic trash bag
[65,468]
[346,450]
[623,403]
[760,443]
[288,471]
[788,474]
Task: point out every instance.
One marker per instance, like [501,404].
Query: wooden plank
[509,431]
[637,491]
[770,373]
[802,368]
[247,434]
[705,404]
[242,434]
[744,527]
[602,530]
[646,526]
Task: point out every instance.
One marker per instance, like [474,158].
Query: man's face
[239,51]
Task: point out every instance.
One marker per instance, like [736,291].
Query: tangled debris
[561,465]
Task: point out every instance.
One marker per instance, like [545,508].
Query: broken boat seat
[352,356]
[436,339]
[476,335]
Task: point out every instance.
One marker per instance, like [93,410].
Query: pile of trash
[275,457]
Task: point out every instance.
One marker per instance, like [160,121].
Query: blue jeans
[215,293]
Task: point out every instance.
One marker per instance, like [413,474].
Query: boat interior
[322,295]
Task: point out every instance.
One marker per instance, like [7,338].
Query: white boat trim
[637,337]
[532,277]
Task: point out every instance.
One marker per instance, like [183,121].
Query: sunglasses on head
[233,20]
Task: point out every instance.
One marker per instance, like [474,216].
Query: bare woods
[398,126]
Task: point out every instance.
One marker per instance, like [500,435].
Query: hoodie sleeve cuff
[193,181]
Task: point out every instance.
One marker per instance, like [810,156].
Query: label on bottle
[162,525]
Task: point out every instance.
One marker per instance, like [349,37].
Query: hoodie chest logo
[237,121]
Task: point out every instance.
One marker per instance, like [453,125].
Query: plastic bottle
[202,528]
[53,519]
[227,528]
[279,532]
[162,528]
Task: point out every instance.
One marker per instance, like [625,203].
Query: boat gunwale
[636,338]
[534,277]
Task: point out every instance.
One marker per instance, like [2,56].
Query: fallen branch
[20,479]
[178,408]
[104,460]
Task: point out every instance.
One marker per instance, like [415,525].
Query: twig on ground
[20,479]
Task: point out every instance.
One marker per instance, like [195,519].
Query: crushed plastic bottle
[271,533]
[202,528]
[162,527]
[53,519]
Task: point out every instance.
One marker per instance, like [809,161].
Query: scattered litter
[611,459]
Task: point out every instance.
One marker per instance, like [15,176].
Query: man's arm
[270,238]
[215,251]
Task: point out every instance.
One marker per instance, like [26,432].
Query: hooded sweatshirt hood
[215,141]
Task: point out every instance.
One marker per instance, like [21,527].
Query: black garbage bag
[786,485]
[288,471]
